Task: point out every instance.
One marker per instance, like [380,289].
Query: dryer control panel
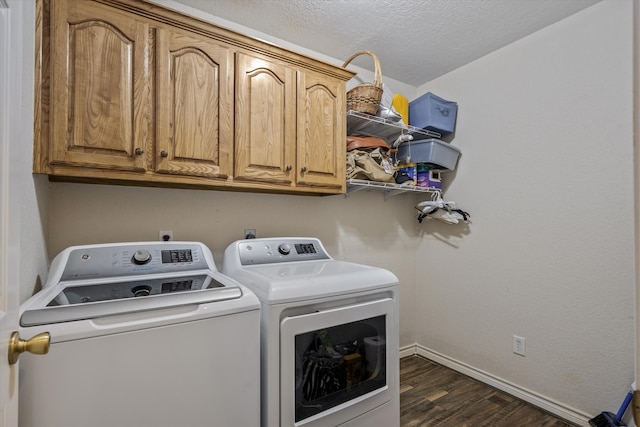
[269,251]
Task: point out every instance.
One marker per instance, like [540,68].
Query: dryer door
[334,363]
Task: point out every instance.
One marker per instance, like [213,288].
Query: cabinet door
[265,121]
[321,131]
[194,105]
[100,87]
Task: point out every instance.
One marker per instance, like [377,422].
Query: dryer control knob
[141,256]
[284,249]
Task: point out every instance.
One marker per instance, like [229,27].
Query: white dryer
[141,334]
[329,340]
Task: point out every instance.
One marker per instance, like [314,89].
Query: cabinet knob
[163,153]
[139,151]
[288,168]
[303,169]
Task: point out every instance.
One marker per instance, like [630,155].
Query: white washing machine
[141,334]
[329,334]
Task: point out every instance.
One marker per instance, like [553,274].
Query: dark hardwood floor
[434,395]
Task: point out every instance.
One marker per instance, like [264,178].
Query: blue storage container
[438,154]
[433,113]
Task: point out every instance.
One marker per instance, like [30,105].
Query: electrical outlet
[519,345]
[250,233]
[165,235]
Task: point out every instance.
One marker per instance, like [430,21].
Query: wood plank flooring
[434,395]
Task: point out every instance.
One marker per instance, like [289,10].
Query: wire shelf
[365,124]
[390,189]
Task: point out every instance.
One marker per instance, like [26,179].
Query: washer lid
[79,300]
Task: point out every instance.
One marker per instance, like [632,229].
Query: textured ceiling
[415,40]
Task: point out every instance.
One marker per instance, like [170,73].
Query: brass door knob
[164,154]
[303,169]
[36,345]
[139,151]
[288,168]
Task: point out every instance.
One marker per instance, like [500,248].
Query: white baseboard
[556,408]
[409,350]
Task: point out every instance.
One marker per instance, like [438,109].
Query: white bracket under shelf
[390,189]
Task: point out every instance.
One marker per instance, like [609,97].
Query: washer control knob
[141,291]
[141,256]
[284,249]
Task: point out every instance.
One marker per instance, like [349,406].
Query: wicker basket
[365,98]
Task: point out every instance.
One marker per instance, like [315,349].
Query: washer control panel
[269,251]
[136,259]
[132,289]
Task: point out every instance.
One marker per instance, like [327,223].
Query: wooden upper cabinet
[99,78]
[194,106]
[321,131]
[290,126]
[130,92]
[265,121]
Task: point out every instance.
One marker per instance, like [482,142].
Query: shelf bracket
[351,190]
[392,193]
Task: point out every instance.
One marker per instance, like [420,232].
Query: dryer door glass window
[337,364]
[337,361]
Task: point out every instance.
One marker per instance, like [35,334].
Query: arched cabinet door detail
[95,118]
[265,121]
[193,104]
[321,135]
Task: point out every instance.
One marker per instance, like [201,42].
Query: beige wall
[546,172]
[636,121]
[545,128]
[361,228]
[31,217]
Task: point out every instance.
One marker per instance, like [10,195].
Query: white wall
[545,128]
[636,120]
[361,228]
[546,172]
[33,200]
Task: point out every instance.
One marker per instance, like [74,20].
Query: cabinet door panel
[194,106]
[99,79]
[321,131]
[265,121]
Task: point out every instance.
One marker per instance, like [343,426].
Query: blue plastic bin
[439,154]
[433,113]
